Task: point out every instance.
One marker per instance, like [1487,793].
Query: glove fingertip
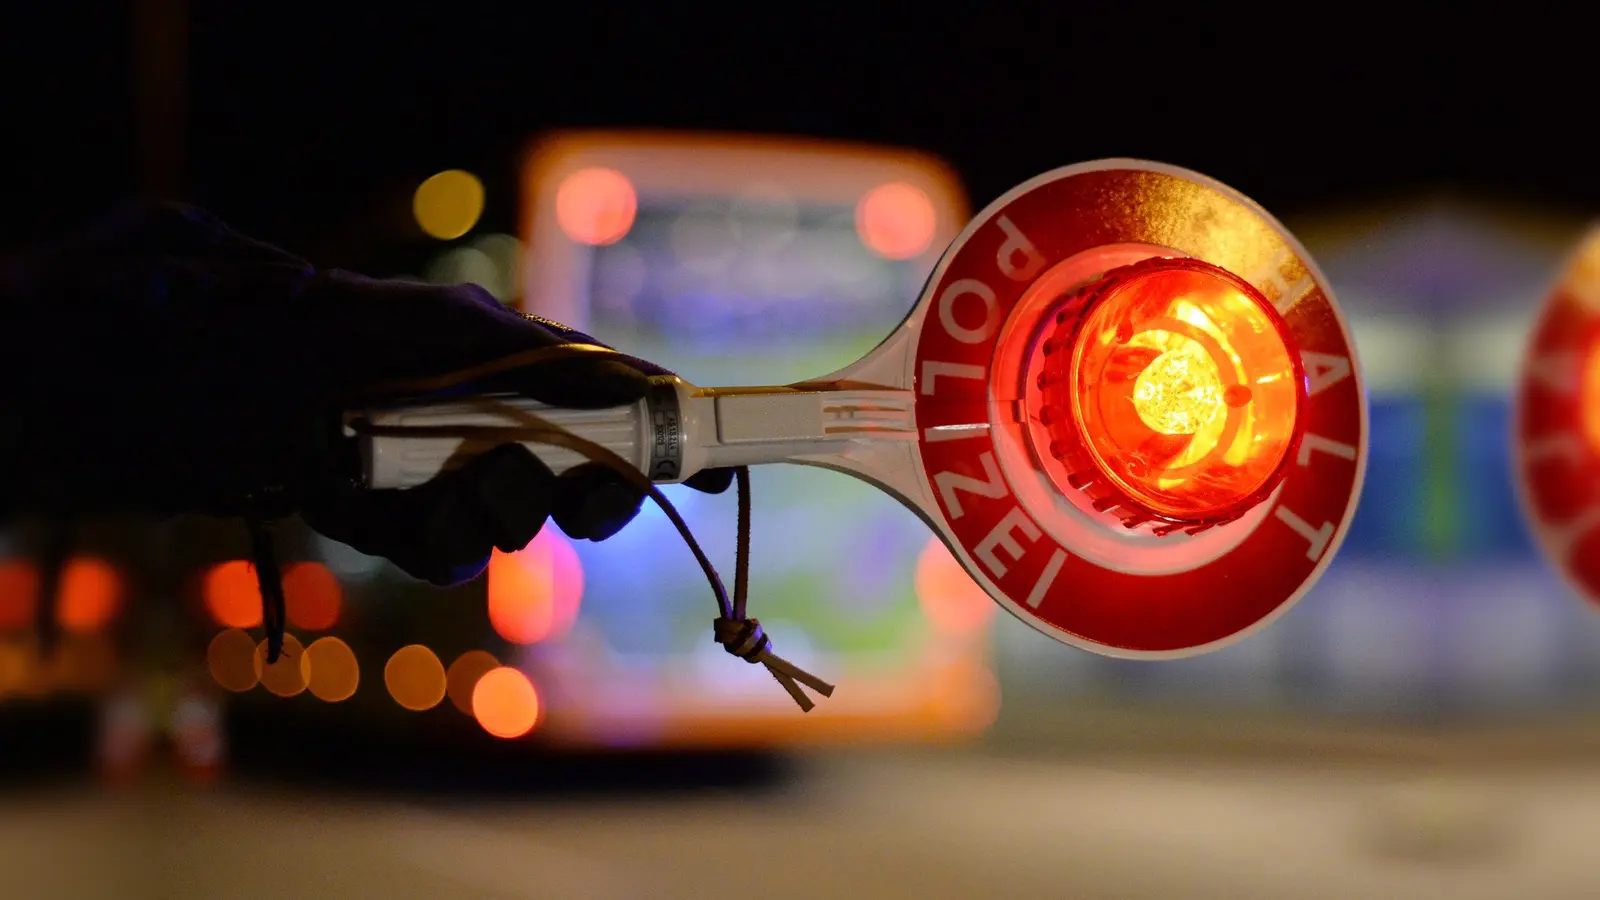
[511,491]
[593,503]
[710,481]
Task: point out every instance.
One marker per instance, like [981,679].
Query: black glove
[165,363]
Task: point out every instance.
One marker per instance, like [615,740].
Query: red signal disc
[1556,447]
[993,517]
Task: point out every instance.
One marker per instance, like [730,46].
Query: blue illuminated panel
[724,293]
[1490,523]
[1389,517]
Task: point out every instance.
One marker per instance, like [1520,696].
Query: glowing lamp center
[1180,392]
[1590,393]
[1171,391]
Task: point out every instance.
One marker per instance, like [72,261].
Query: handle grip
[674,432]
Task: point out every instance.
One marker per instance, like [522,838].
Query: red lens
[1171,392]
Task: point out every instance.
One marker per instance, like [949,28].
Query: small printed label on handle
[666,431]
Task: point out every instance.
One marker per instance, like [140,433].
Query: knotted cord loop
[733,629]
[746,639]
[743,636]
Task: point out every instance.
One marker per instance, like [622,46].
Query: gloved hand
[164,363]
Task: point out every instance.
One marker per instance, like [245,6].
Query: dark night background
[1311,763]
[309,124]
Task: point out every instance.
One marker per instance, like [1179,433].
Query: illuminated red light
[1589,392]
[534,593]
[311,592]
[91,594]
[896,220]
[233,594]
[596,206]
[19,594]
[1171,392]
[1557,450]
[312,596]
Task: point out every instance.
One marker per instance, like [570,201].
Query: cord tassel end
[746,639]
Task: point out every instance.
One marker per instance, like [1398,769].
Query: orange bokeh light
[291,674]
[896,220]
[17,663]
[464,674]
[19,594]
[84,663]
[312,596]
[335,674]
[950,598]
[415,678]
[534,593]
[232,594]
[231,657]
[596,206]
[91,594]
[505,703]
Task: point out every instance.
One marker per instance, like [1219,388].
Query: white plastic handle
[676,431]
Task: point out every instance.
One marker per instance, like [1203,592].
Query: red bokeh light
[232,594]
[596,206]
[312,596]
[19,594]
[534,593]
[91,595]
[896,220]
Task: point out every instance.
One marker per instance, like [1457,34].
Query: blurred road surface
[926,826]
